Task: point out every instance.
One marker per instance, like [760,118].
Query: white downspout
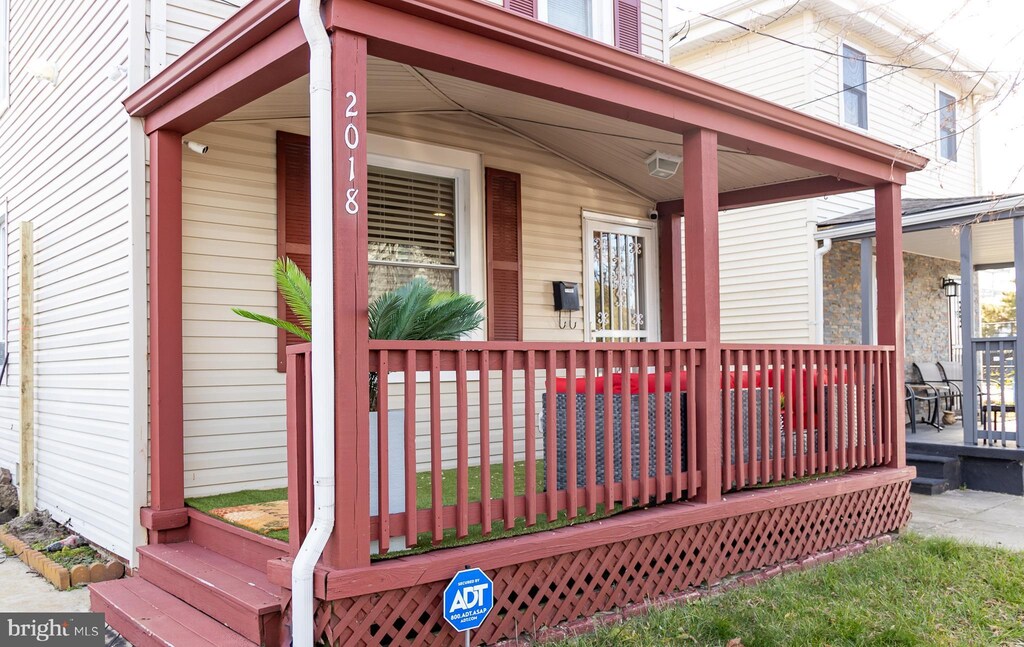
[322,235]
[157,36]
[819,289]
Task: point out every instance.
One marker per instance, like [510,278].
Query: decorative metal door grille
[619,285]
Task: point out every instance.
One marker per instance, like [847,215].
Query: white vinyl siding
[64,167]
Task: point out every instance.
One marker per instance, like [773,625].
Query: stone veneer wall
[927,314]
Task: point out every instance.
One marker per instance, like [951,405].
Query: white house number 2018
[352,141]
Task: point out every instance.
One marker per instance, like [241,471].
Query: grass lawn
[917,591]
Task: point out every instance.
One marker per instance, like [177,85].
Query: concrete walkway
[980,517]
[22,590]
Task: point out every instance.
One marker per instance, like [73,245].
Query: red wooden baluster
[728,455]
[660,483]
[677,423]
[436,491]
[834,373]
[800,413]
[862,410]
[691,427]
[812,404]
[791,413]
[851,403]
[777,415]
[411,502]
[752,425]
[485,443]
[383,464]
[462,446]
[627,423]
[590,433]
[741,458]
[571,479]
[531,438]
[508,441]
[609,433]
[645,431]
[767,407]
[550,452]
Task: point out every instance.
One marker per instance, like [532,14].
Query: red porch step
[150,617]
[237,595]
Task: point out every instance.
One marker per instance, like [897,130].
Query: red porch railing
[473,437]
[799,410]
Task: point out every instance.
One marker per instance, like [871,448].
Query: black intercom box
[567,296]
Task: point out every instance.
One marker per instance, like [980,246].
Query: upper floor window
[855,87]
[590,18]
[947,126]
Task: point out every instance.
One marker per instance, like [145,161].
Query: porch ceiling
[611,147]
[993,242]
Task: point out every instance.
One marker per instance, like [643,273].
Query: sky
[986,32]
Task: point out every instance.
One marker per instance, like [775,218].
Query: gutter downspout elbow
[322,252]
[819,289]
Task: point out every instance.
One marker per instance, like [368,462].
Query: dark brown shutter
[525,7]
[627,25]
[504,256]
[293,237]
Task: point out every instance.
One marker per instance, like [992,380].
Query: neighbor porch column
[867,293]
[968,402]
[703,308]
[1018,345]
[350,543]
[889,240]
[167,469]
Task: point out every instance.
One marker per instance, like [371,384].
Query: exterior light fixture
[44,70]
[951,287]
[662,165]
[196,147]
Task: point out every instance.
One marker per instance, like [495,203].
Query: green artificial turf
[243,497]
[916,592]
[424,494]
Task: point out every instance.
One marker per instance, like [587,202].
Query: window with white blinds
[411,229]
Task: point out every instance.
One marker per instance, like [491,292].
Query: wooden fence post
[27,480]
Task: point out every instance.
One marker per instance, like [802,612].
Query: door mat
[260,517]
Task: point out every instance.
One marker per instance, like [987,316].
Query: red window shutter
[504,256]
[293,237]
[525,7]
[627,25]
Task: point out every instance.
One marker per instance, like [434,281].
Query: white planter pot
[396,472]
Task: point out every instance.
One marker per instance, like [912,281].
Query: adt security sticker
[468,598]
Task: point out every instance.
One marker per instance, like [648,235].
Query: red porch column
[350,544]
[703,310]
[670,257]
[889,253]
[166,425]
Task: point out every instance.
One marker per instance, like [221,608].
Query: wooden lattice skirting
[563,588]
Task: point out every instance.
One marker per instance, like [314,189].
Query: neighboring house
[866,68]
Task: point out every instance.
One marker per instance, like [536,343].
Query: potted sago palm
[415,311]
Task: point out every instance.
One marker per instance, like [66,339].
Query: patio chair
[953,375]
[932,388]
[911,399]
